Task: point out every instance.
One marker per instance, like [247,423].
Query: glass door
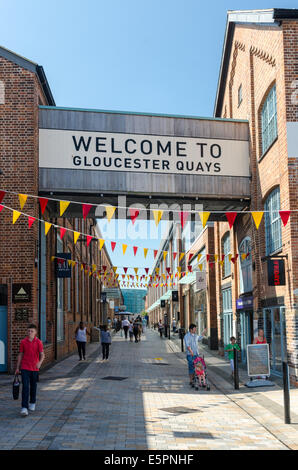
[245,331]
[275,333]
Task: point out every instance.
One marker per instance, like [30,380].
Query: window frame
[272,244]
[270,125]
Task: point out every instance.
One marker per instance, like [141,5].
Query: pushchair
[200,374]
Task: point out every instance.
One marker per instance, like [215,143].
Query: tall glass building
[134,300]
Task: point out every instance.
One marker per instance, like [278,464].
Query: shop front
[273,321]
[244,306]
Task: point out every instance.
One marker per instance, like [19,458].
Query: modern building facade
[134,300]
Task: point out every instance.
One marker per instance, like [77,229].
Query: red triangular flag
[62,232]
[113,244]
[234,258]
[183,218]
[190,256]
[231,216]
[43,203]
[135,249]
[89,238]
[30,221]
[146,270]
[168,270]
[86,210]
[133,214]
[174,255]
[284,215]
[189,268]
[1,207]
[207,258]
[125,270]
[155,253]
[2,194]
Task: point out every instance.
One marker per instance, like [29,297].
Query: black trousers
[29,386]
[81,348]
[125,328]
[105,347]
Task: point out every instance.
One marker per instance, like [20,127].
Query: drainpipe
[56,312]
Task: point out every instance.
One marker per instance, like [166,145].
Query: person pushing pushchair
[191,340]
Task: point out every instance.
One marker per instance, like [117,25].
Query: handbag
[16,387]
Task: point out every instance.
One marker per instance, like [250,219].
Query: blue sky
[160,56]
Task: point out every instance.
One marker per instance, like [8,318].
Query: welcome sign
[82,150]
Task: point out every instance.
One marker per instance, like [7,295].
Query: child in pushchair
[200,375]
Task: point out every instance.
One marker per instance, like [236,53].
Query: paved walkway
[141,399]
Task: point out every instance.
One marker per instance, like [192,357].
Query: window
[272,222]
[245,271]
[269,120]
[240,95]
[227,251]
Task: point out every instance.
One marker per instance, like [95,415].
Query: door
[3,328]
[275,333]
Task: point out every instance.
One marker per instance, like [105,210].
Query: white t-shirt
[125,323]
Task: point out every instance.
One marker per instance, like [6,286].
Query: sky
[155,56]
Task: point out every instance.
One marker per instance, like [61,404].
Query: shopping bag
[16,387]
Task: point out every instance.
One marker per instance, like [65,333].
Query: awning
[167,295]
[190,278]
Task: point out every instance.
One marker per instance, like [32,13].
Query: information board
[258,360]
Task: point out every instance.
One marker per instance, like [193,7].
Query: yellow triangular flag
[101,243]
[157,216]
[110,212]
[145,252]
[22,199]
[221,263]
[47,227]
[63,206]
[15,216]
[179,269]
[199,257]
[124,247]
[243,256]
[215,258]
[204,216]
[201,267]
[114,268]
[69,262]
[181,256]
[136,270]
[93,268]
[165,253]
[230,257]
[257,216]
[76,236]
[53,258]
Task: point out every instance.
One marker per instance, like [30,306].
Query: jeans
[125,328]
[105,347]
[29,382]
[81,348]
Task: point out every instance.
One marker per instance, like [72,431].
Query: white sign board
[84,150]
[201,282]
[258,362]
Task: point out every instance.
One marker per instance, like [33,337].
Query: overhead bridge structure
[98,156]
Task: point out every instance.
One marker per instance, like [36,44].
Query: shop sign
[276,272]
[103,296]
[258,360]
[21,293]
[62,267]
[162,303]
[201,282]
[84,150]
[244,303]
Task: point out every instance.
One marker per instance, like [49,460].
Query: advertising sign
[276,272]
[245,302]
[201,282]
[63,269]
[258,360]
[108,151]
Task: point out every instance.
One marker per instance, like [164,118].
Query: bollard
[170,331]
[236,372]
[286,385]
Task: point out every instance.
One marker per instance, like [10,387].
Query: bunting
[124,248]
[231,216]
[157,216]
[63,206]
[22,199]
[204,216]
[110,212]
[257,216]
[15,216]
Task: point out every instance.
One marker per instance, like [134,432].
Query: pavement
[141,400]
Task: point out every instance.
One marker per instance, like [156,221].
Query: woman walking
[106,340]
[160,328]
[81,339]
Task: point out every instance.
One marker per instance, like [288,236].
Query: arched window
[226,244]
[245,271]
[272,222]
[269,120]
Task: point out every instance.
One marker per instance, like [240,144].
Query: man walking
[125,326]
[191,340]
[29,362]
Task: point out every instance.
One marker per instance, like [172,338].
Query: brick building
[55,305]
[258,82]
